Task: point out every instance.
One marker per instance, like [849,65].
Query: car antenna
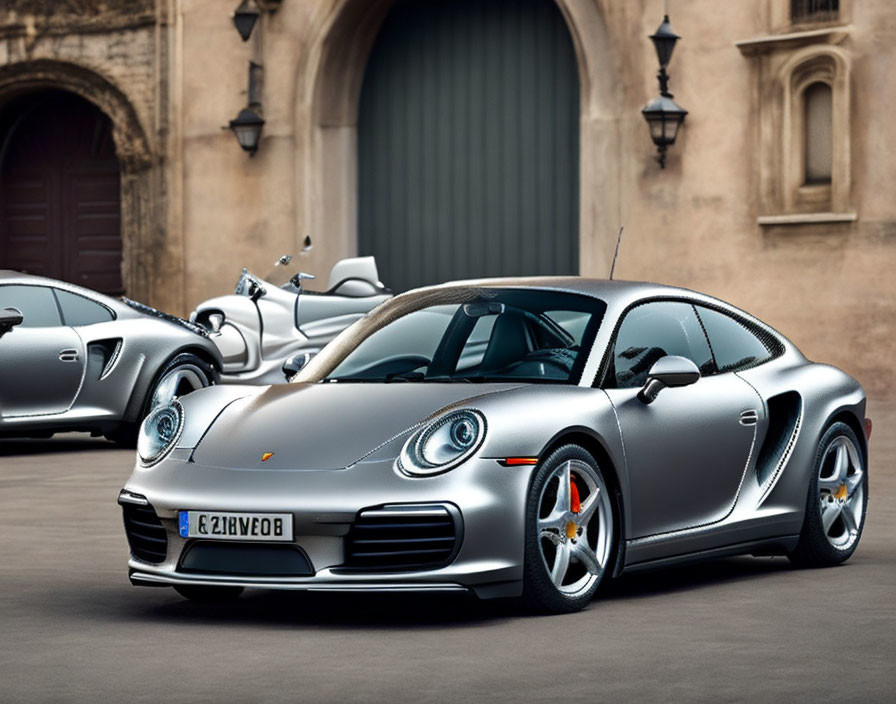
[616,253]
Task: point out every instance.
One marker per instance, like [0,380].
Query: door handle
[749,417]
[68,355]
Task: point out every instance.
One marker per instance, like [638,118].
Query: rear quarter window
[78,310]
[734,346]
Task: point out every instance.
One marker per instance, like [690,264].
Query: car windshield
[466,335]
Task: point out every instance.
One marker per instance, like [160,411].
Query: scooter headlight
[443,444]
[159,433]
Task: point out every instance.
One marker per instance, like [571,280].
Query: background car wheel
[202,592]
[183,374]
[569,531]
[838,499]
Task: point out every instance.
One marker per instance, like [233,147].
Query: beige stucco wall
[828,287]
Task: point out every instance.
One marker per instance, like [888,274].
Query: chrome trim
[154,579]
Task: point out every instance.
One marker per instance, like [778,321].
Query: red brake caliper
[575,504]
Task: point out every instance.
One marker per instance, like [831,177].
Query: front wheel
[838,499]
[569,531]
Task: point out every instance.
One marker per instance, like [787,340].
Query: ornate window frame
[784,65]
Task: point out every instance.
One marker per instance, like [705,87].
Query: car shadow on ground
[344,610]
[69,442]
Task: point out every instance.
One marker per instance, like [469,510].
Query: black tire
[125,434]
[207,594]
[539,592]
[814,549]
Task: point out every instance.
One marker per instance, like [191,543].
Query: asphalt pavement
[72,629]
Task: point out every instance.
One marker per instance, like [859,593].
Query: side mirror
[294,364]
[671,371]
[9,318]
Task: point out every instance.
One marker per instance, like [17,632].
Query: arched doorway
[60,190]
[468,142]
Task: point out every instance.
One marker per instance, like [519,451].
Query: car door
[687,451]
[41,360]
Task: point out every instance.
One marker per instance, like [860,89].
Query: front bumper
[488,501]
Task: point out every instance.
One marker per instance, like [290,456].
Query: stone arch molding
[327,100]
[140,242]
[131,143]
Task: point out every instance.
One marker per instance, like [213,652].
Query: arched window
[818,104]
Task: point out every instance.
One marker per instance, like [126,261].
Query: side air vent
[783,422]
[403,538]
[146,535]
[101,357]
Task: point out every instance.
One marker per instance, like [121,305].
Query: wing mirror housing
[9,318]
[295,363]
[671,371]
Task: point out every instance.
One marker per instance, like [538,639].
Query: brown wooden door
[60,203]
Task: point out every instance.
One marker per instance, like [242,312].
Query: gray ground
[73,629]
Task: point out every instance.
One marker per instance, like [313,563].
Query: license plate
[224,525]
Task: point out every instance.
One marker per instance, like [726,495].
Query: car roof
[8,276]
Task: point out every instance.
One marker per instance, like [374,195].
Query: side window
[733,345]
[77,310]
[654,330]
[36,303]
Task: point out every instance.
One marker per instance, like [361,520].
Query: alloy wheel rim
[574,544]
[841,493]
[176,383]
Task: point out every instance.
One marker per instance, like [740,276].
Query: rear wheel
[569,531]
[838,499]
[208,594]
[182,375]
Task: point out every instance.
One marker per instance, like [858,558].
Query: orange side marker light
[266,456]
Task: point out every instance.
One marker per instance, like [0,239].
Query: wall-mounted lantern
[244,18]
[248,124]
[662,114]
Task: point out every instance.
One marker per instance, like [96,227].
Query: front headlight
[159,432]
[443,444]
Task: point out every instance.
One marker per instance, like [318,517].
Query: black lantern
[664,41]
[247,128]
[245,17]
[663,115]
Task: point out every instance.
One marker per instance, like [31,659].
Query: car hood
[324,426]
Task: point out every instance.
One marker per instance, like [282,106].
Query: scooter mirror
[294,364]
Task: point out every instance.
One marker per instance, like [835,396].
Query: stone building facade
[777,194]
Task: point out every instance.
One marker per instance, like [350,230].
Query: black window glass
[733,345]
[36,303]
[476,335]
[77,310]
[654,330]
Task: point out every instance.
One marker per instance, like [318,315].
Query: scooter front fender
[239,339]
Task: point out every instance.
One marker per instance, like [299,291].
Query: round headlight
[159,432]
[443,444]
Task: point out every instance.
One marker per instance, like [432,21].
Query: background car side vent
[101,357]
[783,422]
[403,538]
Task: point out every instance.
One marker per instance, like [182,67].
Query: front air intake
[146,535]
[407,537]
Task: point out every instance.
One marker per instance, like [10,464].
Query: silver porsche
[512,438]
[74,359]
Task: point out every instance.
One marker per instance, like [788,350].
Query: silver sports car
[74,359]
[506,437]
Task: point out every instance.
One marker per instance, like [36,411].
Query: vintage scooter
[269,328]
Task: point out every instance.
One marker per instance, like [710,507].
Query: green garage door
[468,142]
